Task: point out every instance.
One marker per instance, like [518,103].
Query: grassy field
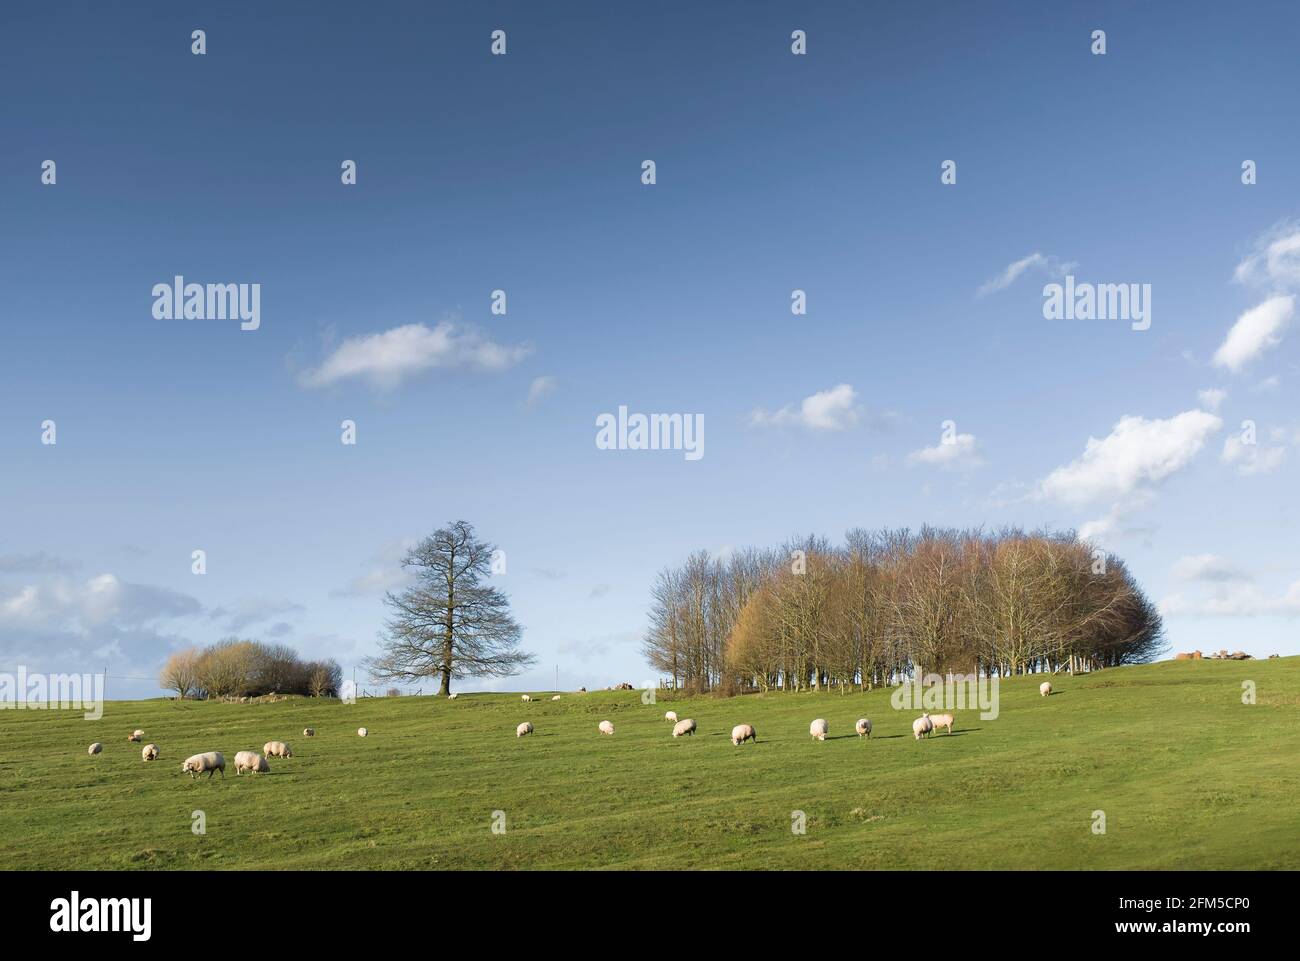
[1187,775]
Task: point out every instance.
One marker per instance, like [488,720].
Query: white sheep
[684,727]
[526,698]
[136,735]
[863,727]
[671,716]
[921,726]
[606,727]
[1045,688]
[95,748]
[742,733]
[522,729]
[150,752]
[308,732]
[942,720]
[556,698]
[818,728]
[362,732]
[251,761]
[452,697]
[276,749]
[210,762]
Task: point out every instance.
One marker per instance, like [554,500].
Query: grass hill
[1188,777]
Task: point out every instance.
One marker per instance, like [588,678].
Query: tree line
[890,604]
[451,622]
[244,668]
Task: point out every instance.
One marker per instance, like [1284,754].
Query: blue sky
[522,172]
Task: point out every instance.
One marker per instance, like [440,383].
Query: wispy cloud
[1127,466]
[1207,567]
[1137,453]
[386,573]
[37,563]
[1256,331]
[1236,600]
[1035,261]
[1212,398]
[960,453]
[386,360]
[826,410]
[539,389]
[253,610]
[1251,458]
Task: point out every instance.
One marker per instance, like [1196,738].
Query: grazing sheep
[526,698]
[95,748]
[276,749]
[742,733]
[251,761]
[684,727]
[452,697]
[921,726]
[362,732]
[818,728]
[308,732]
[556,698]
[136,735]
[1045,688]
[522,729]
[210,762]
[863,727]
[671,716]
[606,727]
[150,752]
[942,720]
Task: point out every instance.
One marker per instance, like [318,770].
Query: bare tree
[324,678]
[449,623]
[181,673]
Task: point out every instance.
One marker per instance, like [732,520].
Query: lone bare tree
[449,623]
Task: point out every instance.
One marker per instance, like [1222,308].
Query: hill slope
[1186,774]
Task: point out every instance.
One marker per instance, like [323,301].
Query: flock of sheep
[213,761]
[923,726]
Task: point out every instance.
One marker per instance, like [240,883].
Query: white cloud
[38,563]
[85,623]
[1268,384]
[960,453]
[1013,271]
[387,574]
[1136,454]
[1256,331]
[1238,600]
[598,647]
[387,359]
[826,410]
[540,388]
[253,610]
[1212,398]
[1275,262]
[1252,458]
[1207,567]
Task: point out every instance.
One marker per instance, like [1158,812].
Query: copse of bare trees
[890,604]
[243,668]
